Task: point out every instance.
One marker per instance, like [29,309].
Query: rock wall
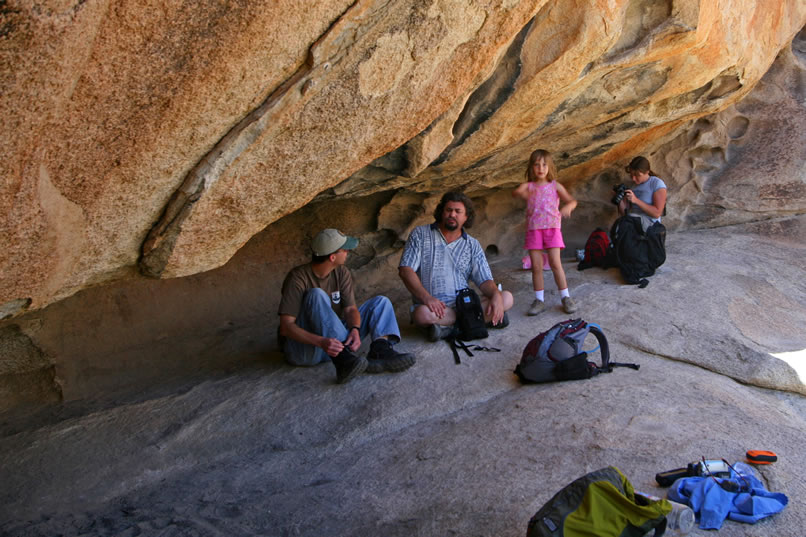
[742,164]
[170,135]
[205,141]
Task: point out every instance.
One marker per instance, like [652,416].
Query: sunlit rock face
[742,164]
[161,140]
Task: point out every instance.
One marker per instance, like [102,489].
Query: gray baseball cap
[329,240]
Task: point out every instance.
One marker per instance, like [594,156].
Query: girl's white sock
[564,293]
[539,295]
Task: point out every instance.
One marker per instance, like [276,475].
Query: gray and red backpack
[557,354]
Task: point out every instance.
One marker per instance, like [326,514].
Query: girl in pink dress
[543,194]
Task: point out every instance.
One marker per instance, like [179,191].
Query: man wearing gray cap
[319,319]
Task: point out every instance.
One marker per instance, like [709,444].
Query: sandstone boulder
[169,137]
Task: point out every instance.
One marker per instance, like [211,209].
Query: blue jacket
[712,504]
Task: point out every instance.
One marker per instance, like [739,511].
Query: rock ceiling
[161,139]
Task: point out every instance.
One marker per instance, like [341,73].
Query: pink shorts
[540,239]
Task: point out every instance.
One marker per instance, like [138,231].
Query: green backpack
[602,503]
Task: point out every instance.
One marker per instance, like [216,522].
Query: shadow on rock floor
[447,449]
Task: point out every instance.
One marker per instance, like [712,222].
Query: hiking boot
[437,332]
[569,305]
[348,365]
[537,306]
[383,357]
[503,323]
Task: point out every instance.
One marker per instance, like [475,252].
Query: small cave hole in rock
[491,250]
[738,127]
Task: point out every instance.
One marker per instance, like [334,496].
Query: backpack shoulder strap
[607,366]
[604,348]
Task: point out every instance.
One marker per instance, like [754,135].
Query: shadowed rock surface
[446,449]
[163,169]
[743,164]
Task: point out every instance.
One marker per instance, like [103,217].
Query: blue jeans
[316,316]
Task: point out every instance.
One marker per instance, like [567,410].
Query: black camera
[620,192]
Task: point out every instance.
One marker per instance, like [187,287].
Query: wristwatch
[354,327]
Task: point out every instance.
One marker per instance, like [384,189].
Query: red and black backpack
[597,251]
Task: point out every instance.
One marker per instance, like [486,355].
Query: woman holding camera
[648,197]
[638,238]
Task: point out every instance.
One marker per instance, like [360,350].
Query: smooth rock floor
[447,449]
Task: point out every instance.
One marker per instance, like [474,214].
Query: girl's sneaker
[569,305]
[537,307]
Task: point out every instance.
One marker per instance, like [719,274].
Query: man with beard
[438,260]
